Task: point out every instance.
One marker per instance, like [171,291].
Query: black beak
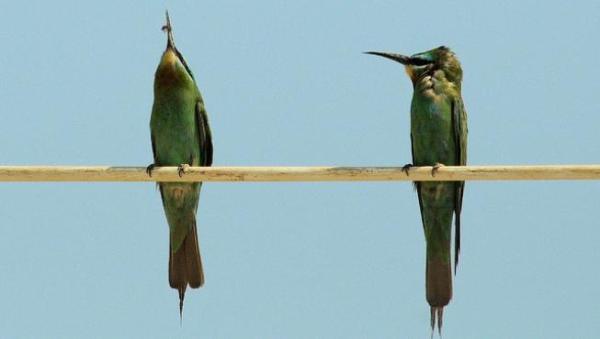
[403,59]
[167,28]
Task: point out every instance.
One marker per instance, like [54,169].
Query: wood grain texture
[295,174]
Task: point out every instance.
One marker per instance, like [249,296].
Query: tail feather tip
[437,317]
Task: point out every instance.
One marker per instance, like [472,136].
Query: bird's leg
[435,168]
[149,169]
[407,167]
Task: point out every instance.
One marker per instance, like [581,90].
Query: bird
[438,134]
[181,136]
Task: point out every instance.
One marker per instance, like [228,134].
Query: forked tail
[185,266]
[439,289]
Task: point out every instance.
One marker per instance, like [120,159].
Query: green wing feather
[204,135]
[459,122]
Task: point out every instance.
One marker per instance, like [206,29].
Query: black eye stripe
[419,61]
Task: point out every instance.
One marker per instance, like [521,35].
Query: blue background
[286,84]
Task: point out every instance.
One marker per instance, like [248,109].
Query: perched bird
[438,135]
[180,137]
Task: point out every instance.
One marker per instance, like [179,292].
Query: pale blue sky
[285,83]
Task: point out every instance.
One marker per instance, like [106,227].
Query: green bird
[180,137]
[438,135]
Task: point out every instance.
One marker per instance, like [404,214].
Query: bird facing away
[438,135]
[180,136]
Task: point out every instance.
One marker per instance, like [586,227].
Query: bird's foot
[149,169]
[435,168]
[181,169]
[406,168]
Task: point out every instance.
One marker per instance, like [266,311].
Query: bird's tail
[439,288]
[185,266]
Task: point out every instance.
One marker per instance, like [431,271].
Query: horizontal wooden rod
[290,174]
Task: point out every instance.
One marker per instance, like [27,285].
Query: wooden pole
[291,174]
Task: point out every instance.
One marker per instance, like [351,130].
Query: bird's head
[421,64]
[172,67]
